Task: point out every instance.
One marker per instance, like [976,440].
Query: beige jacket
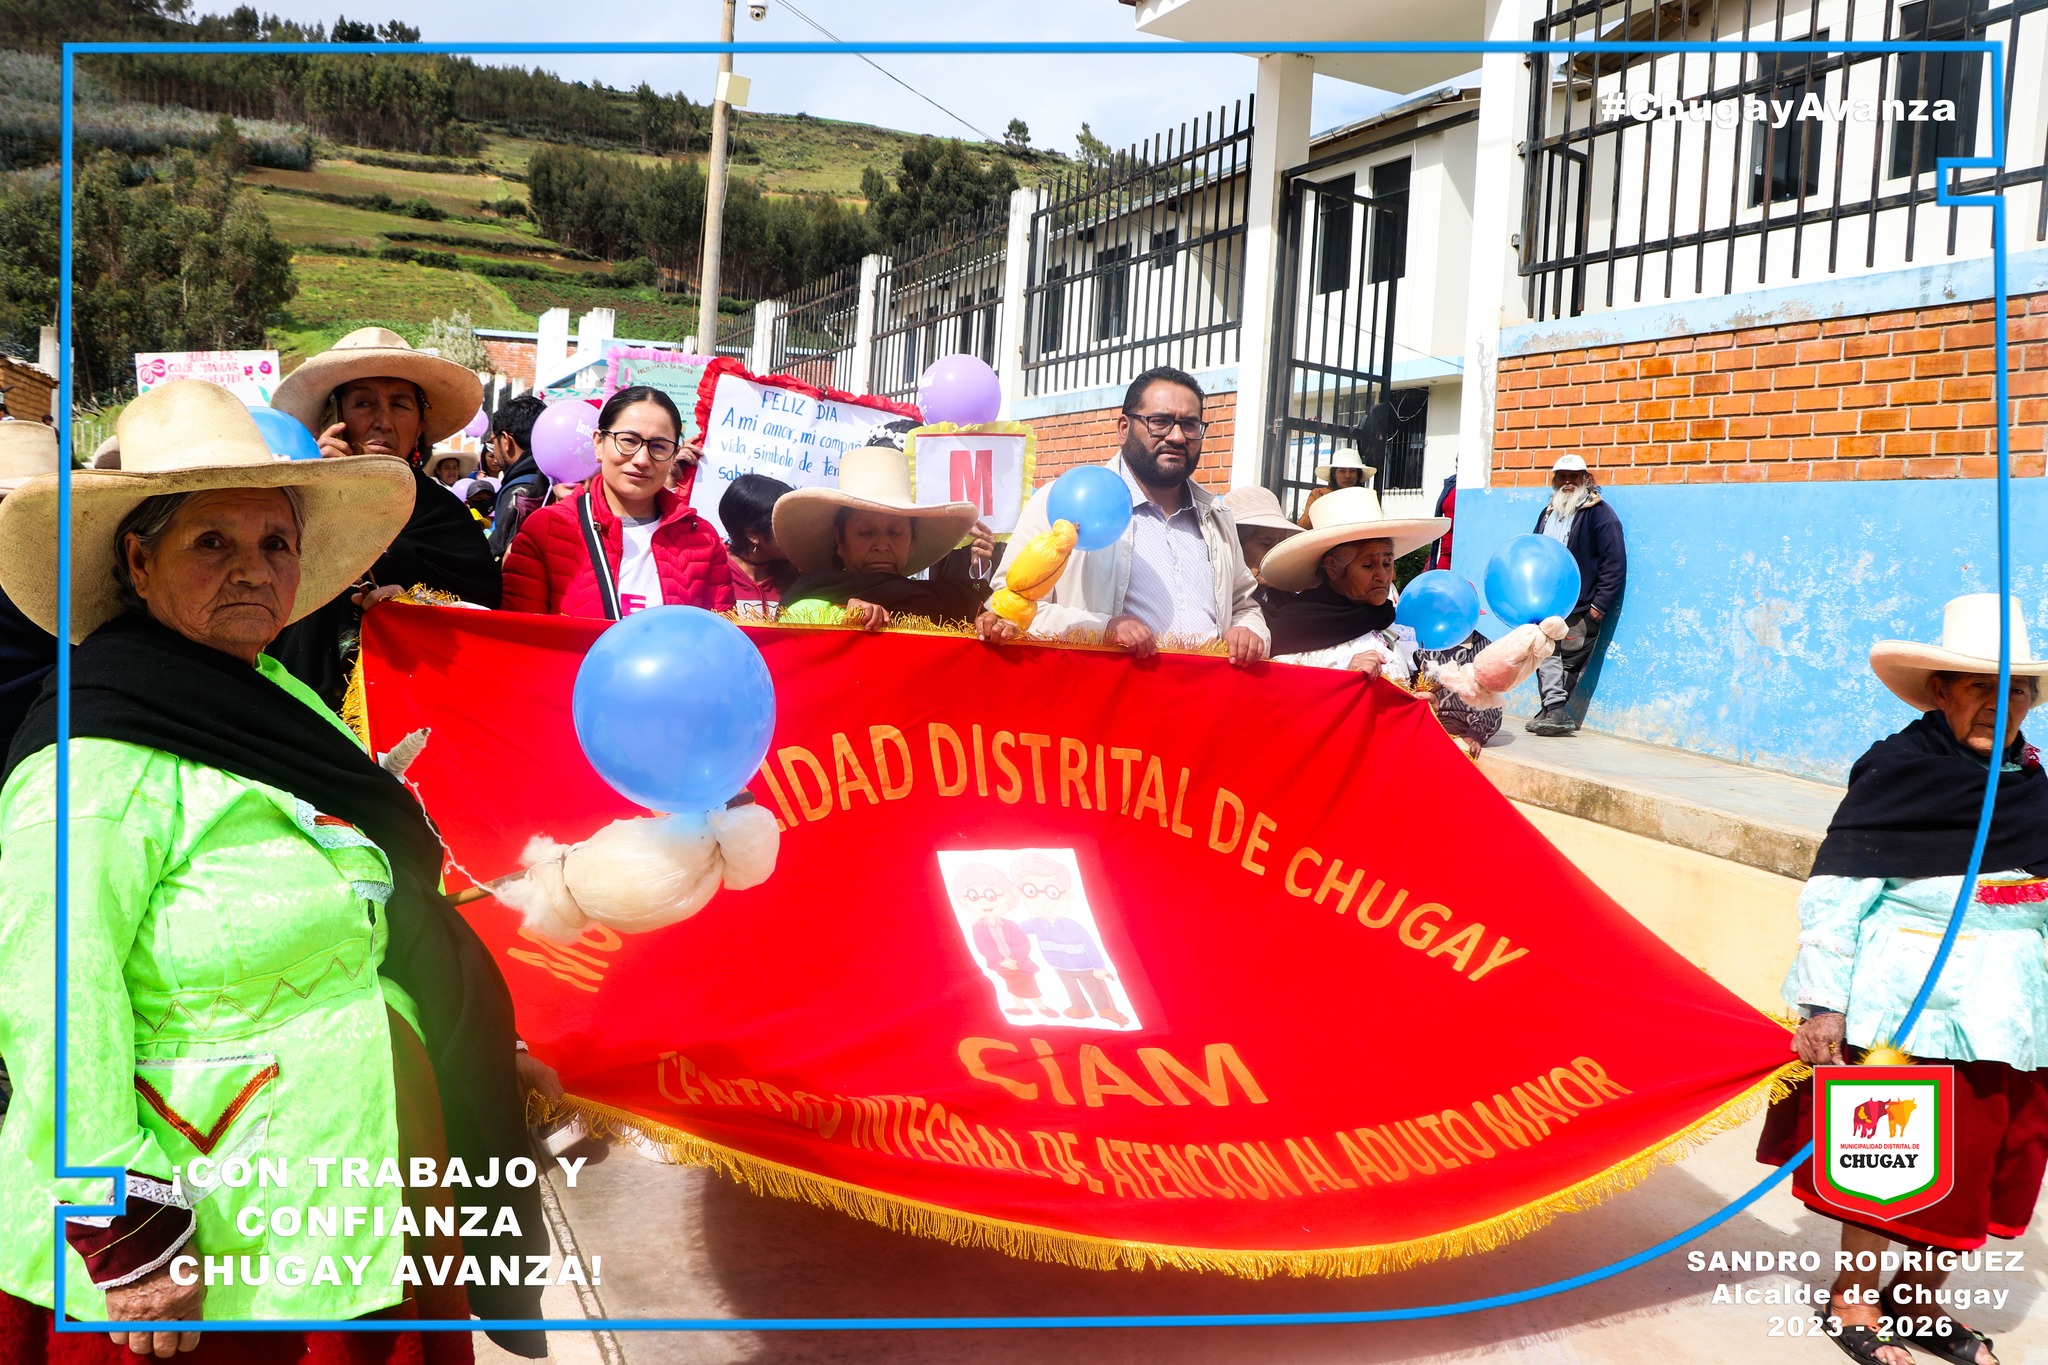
[1093,588]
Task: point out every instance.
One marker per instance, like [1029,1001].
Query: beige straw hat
[27,449]
[1346,459]
[871,479]
[1257,509]
[453,393]
[1969,644]
[466,461]
[1338,518]
[189,436]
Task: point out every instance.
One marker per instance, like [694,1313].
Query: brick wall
[1905,395]
[1078,438]
[30,392]
[513,359]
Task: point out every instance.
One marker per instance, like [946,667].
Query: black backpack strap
[593,544]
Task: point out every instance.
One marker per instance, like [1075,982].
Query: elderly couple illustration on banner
[1023,913]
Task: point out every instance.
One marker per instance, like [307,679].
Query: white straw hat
[27,449]
[466,461]
[190,436]
[1969,644]
[1338,518]
[453,393]
[871,479]
[1346,459]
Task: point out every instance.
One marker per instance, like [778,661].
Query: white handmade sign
[251,375]
[789,432]
[988,465]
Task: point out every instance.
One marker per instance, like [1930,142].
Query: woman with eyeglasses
[626,540]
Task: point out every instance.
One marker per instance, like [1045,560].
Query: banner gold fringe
[1027,1242]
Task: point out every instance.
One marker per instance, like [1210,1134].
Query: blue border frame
[1945,168]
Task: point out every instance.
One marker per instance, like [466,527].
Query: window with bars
[1334,213]
[1931,76]
[1389,224]
[1793,151]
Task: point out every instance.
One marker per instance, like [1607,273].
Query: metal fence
[1650,177]
[1139,261]
[941,293]
[1342,257]
[816,331]
[735,334]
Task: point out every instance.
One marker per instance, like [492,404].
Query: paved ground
[679,1242]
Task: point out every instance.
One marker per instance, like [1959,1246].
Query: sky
[1122,99]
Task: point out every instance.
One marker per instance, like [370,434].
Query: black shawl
[140,682]
[1318,618]
[441,546]
[939,599]
[1912,805]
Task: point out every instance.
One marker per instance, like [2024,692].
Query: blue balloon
[1530,578]
[286,435]
[1095,500]
[1440,607]
[674,708]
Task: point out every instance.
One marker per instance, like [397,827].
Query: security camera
[757,12]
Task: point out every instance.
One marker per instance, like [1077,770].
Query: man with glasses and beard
[1177,573]
[1577,517]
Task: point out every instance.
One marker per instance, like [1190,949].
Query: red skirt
[29,1336]
[2001,1152]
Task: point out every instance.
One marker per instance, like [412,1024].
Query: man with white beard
[1579,518]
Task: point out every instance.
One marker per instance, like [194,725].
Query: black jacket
[1595,540]
[441,547]
[28,654]
[524,488]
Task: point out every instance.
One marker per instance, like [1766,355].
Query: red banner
[1107,962]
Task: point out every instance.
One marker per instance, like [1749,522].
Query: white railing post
[1280,134]
[761,355]
[1016,281]
[861,359]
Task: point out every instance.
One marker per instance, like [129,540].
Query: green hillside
[439,217]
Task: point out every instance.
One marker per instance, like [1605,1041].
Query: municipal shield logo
[1884,1137]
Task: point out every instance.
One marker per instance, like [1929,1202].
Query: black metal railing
[1650,177]
[813,337]
[1139,260]
[735,334]
[1342,255]
[940,293]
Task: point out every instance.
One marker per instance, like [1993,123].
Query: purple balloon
[561,441]
[479,426]
[960,389]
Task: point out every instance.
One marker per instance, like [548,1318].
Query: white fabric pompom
[1502,666]
[639,875]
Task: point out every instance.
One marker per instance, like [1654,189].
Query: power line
[886,72]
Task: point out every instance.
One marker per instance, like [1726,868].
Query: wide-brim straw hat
[466,461]
[27,450]
[871,479]
[1346,459]
[1256,508]
[1969,644]
[1338,518]
[189,436]
[453,393]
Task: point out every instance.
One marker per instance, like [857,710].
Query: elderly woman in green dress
[1884,886]
[262,968]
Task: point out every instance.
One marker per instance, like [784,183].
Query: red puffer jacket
[548,570]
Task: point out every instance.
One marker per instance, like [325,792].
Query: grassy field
[338,294]
[449,193]
[301,222]
[644,314]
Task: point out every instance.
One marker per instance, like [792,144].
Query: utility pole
[714,196]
